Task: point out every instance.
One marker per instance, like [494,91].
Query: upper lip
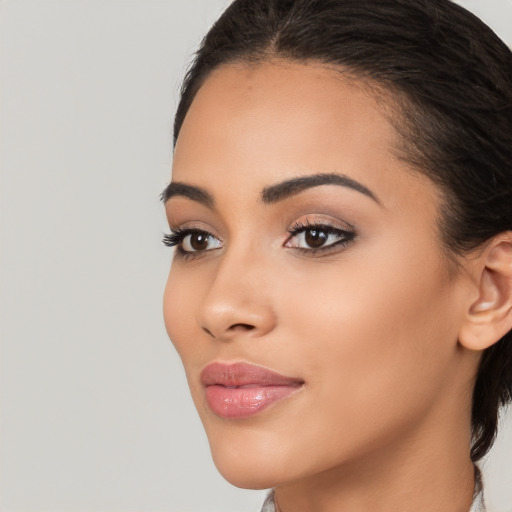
[244,374]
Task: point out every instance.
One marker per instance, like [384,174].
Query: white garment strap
[268,505]
[478,503]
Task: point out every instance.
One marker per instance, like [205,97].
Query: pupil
[315,238]
[199,241]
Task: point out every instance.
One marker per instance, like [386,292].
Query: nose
[238,301]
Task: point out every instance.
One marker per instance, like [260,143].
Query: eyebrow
[294,186]
[273,193]
[192,192]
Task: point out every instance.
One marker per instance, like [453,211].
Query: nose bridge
[238,300]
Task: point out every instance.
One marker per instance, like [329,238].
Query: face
[309,297]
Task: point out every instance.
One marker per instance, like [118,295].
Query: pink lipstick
[241,390]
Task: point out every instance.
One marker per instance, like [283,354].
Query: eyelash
[178,235]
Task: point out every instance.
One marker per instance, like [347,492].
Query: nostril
[207,331]
[234,328]
[241,327]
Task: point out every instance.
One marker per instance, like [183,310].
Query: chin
[248,461]
[248,480]
[246,475]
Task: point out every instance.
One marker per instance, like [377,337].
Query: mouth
[241,390]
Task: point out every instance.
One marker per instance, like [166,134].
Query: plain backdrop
[95,411]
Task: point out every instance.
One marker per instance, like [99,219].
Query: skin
[372,327]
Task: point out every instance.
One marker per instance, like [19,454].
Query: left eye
[318,237]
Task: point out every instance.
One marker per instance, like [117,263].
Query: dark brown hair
[451,80]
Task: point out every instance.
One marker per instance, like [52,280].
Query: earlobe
[489,317]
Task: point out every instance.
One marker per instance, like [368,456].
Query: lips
[241,390]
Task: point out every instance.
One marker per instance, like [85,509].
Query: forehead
[252,125]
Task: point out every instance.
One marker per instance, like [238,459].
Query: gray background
[95,412]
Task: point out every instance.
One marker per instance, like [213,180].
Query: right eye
[191,241]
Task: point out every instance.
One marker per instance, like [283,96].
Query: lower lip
[244,402]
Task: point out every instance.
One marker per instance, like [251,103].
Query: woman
[341,292]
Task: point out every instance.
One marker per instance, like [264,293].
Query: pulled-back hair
[450,80]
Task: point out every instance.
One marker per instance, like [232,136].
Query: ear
[489,317]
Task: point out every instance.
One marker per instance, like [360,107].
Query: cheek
[376,296]
[376,335]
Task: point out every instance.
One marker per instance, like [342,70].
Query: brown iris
[315,238]
[199,241]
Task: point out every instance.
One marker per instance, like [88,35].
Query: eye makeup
[318,238]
